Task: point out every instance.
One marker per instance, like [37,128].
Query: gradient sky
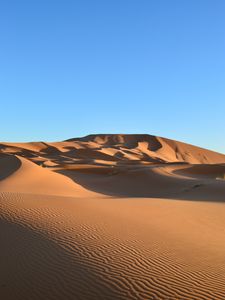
[71,68]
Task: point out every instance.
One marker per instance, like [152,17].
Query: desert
[111,216]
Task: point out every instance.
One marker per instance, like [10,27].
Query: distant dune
[111,216]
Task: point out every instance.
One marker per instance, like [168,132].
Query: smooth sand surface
[111,217]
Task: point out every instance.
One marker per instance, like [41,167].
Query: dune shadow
[202,171]
[8,165]
[123,182]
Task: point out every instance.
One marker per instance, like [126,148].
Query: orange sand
[111,217]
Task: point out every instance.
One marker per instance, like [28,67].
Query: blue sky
[71,68]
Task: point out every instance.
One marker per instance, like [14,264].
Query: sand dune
[114,148]
[111,217]
[26,177]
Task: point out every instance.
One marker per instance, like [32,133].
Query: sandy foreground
[111,217]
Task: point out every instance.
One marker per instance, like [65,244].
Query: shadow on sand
[144,182]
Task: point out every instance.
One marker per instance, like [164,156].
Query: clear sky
[70,68]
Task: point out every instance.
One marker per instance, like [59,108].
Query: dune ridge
[111,217]
[115,149]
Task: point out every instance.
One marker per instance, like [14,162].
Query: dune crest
[23,176]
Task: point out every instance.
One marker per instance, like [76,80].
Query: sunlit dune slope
[20,175]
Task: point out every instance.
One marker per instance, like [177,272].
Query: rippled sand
[111,217]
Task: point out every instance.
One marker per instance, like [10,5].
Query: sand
[111,217]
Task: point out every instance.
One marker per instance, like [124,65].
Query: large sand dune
[111,217]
